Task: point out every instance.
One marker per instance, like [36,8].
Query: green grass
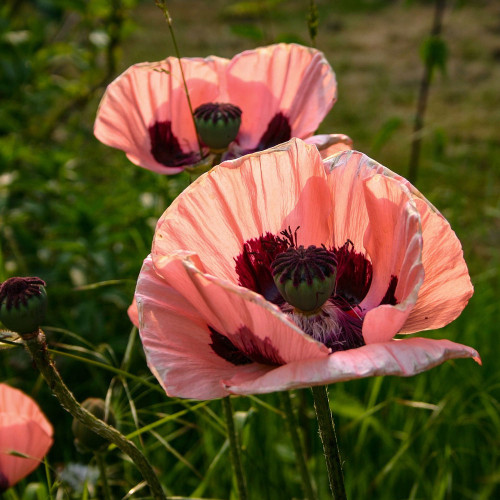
[77,213]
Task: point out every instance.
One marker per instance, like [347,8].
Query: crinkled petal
[151,93]
[290,79]
[447,287]
[330,144]
[393,241]
[245,198]
[177,305]
[405,358]
[176,342]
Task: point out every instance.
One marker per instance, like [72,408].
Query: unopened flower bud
[305,277]
[23,303]
[85,438]
[217,124]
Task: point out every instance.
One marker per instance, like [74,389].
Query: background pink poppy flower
[212,320]
[283,90]
[24,430]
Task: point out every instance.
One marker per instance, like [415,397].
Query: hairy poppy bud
[217,124]
[23,303]
[85,438]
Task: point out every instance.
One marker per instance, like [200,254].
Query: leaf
[9,339]
[434,53]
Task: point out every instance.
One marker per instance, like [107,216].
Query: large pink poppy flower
[283,91]
[25,436]
[212,320]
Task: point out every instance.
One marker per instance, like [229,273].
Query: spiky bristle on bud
[23,303]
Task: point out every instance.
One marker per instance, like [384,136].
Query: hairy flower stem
[162,4]
[234,447]
[101,464]
[36,345]
[298,446]
[329,440]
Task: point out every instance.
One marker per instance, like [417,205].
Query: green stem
[101,464]
[36,345]
[162,5]
[329,440]
[298,445]
[423,96]
[234,447]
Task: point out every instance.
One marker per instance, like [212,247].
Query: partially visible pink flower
[283,91]
[25,436]
[212,320]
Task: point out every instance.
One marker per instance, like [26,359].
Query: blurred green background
[80,216]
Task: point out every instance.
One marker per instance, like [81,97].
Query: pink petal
[330,144]
[174,328]
[153,92]
[23,429]
[405,358]
[393,241]
[245,198]
[287,78]
[447,287]
[133,313]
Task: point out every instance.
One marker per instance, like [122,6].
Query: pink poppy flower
[213,320]
[25,436]
[283,91]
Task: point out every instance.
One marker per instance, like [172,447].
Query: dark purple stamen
[16,291]
[245,348]
[165,147]
[354,275]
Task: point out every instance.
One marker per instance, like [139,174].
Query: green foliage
[434,53]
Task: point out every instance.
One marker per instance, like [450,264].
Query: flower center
[217,124]
[305,277]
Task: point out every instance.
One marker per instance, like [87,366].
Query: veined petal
[330,144]
[447,287]
[404,357]
[145,112]
[245,198]
[227,307]
[184,312]
[176,341]
[293,82]
[393,241]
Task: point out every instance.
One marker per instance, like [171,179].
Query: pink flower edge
[402,357]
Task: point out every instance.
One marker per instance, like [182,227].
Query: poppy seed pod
[23,303]
[85,438]
[217,124]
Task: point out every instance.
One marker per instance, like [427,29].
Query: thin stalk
[36,345]
[234,448]
[423,96]
[163,6]
[298,445]
[101,464]
[329,440]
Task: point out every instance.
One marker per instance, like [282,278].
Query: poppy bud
[85,438]
[305,277]
[23,303]
[217,124]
